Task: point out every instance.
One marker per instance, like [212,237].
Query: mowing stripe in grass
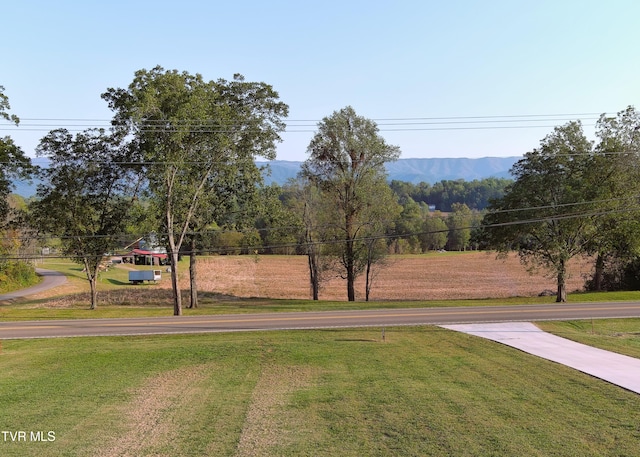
[423,391]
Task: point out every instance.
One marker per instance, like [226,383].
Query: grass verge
[423,391]
[156,303]
[616,335]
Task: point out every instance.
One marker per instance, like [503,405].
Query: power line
[501,116]
[301,244]
[294,125]
[212,122]
[408,129]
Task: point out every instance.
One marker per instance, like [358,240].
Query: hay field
[419,277]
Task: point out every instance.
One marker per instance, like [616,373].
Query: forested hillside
[415,171]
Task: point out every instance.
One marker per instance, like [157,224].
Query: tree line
[179,162]
[476,194]
[411,227]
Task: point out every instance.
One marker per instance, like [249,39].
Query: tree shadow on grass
[357,340]
[117,282]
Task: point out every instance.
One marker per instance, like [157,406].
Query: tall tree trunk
[92,277]
[94,293]
[367,287]
[351,276]
[350,259]
[177,297]
[561,296]
[598,274]
[312,258]
[175,286]
[351,291]
[368,273]
[193,273]
[313,274]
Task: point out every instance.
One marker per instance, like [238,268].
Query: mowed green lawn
[617,335]
[422,391]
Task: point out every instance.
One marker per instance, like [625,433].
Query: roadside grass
[156,303]
[422,391]
[147,301]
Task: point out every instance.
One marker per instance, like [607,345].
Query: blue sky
[391,60]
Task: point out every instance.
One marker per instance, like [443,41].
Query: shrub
[16,275]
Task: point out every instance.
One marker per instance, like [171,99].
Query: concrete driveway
[621,370]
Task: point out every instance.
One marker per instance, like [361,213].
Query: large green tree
[548,214]
[85,195]
[230,201]
[196,137]
[346,161]
[618,162]
[14,164]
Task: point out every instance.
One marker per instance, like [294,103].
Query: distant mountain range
[417,170]
[410,170]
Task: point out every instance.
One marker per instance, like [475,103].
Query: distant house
[142,257]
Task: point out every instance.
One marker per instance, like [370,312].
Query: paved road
[314,320]
[50,279]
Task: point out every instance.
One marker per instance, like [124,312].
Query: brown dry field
[419,277]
